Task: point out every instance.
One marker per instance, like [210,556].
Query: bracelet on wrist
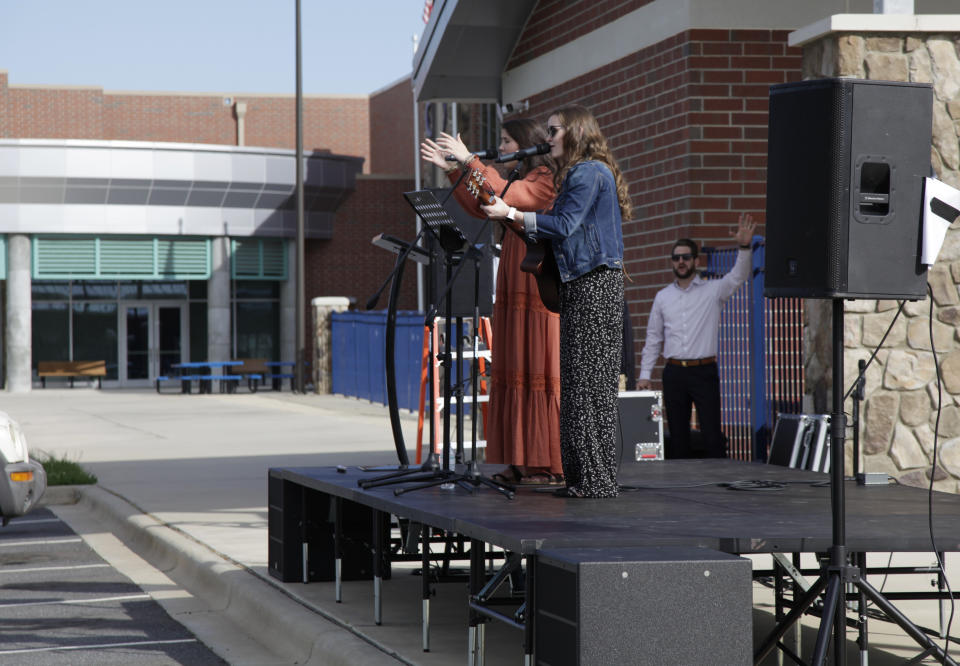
[746,247]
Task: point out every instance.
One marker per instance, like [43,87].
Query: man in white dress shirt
[684,323]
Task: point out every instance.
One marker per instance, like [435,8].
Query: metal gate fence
[760,354]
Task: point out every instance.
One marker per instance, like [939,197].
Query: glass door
[171,337]
[153,336]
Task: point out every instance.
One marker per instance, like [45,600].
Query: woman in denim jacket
[584,227]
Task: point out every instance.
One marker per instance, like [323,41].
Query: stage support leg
[337,549]
[475,656]
[482,638]
[863,638]
[530,610]
[304,546]
[797,587]
[425,586]
[945,603]
[378,527]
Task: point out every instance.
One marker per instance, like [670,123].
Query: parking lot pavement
[61,603]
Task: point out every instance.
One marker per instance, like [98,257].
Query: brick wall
[391,130]
[184,118]
[54,113]
[554,23]
[4,104]
[687,120]
[348,264]
[337,124]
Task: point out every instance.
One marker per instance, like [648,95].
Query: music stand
[451,239]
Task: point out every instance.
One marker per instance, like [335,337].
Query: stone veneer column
[18,330]
[218,301]
[900,409]
[323,307]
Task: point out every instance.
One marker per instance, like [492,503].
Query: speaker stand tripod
[838,574]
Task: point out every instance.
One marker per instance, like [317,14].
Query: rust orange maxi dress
[523,426]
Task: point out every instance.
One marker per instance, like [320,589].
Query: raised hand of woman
[454,146]
[434,154]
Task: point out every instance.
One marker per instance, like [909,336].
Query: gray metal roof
[465,48]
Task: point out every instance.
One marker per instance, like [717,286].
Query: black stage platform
[676,502]
[666,529]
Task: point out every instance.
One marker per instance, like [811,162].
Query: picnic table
[190,371]
[278,377]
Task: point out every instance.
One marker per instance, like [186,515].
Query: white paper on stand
[941,206]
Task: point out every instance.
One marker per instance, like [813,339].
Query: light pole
[300,320]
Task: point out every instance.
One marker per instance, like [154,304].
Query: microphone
[487,154]
[539,149]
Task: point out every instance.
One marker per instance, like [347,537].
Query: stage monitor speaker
[669,605]
[845,168]
[462,290]
[639,427]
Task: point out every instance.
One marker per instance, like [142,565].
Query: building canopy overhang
[465,47]
[157,188]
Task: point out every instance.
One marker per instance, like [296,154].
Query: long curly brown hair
[582,141]
[527,132]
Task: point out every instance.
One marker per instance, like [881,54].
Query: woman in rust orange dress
[523,427]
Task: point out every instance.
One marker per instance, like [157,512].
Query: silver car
[24,480]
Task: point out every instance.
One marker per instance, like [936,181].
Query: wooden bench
[71,369]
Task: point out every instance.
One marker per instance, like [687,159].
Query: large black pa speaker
[657,605]
[462,291]
[845,168]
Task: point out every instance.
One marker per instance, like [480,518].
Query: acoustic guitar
[539,260]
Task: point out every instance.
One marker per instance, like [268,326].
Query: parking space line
[5,570]
[100,646]
[33,521]
[126,597]
[40,542]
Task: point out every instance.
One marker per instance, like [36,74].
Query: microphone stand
[472,477]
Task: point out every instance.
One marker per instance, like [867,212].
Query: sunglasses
[553,129]
[681,257]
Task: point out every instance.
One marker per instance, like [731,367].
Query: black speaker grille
[839,168]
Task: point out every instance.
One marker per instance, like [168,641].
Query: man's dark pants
[693,385]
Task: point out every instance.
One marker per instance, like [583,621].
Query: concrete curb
[282,625]
[56,495]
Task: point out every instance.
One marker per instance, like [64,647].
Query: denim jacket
[584,223]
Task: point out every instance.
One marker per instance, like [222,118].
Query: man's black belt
[686,362]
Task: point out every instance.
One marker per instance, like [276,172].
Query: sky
[348,46]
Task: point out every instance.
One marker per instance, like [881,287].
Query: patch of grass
[63,471]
